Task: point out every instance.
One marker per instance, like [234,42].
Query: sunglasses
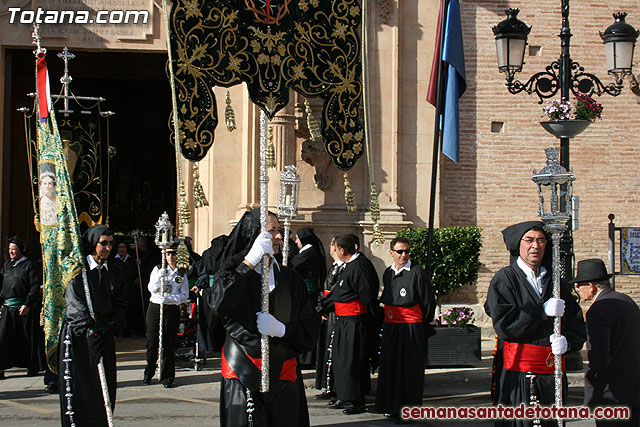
[401,251]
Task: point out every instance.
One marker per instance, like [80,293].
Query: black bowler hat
[591,270]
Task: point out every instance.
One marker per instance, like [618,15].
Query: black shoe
[51,388]
[168,384]
[325,396]
[146,380]
[351,409]
[1,375]
[32,373]
[336,404]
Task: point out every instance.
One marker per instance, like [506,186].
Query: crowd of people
[338,320]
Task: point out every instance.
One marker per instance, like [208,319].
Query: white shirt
[123,259]
[176,294]
[534,281]
[305,247]
[354,256]
[93,264]
[407,267]
[16,262]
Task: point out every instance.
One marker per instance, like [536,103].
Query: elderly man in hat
[90,338]
[522,309]
[19,296]
[613,343]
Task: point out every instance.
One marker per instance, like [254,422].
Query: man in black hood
[291,324]
[522,308]
[87,338]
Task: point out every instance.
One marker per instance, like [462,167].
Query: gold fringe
[271,150]
[349,197]
[200,199]
[374,208]
[229,115]
[183,255]
[183,207]
[312,123]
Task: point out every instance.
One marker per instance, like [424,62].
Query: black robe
[353,339]
[401,373]
[613,375]
[109,299]
[135,311]
[20,335]
[236,298]
[518,316]
[324,375]
[311,266]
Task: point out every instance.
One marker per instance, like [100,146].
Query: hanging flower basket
[565,128]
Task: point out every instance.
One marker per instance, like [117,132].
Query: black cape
[518,315]
[20,335]
[354,336]
[236,298]
[401,373]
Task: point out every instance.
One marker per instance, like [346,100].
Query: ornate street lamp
[288,205]
[555,211]
[619,42]
[566,76]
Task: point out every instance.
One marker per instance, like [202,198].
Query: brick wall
[492,187]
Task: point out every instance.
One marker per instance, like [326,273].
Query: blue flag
[456,84]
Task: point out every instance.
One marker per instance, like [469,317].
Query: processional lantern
[555,191]
[288,205]
[164,232]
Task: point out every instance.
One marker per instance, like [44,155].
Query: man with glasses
[613,327]
[90,338]
[409,305]
[521,306]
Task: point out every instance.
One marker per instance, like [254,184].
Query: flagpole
[436,136]
[264,212]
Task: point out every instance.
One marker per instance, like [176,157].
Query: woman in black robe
[310,263]
[87,339]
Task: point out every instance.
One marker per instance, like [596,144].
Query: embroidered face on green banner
[311,46]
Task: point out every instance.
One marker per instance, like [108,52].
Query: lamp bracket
[546,84]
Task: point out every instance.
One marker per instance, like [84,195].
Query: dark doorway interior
[142,172]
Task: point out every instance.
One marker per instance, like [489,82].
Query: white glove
[263,245]
[554,307]
[269,325]
[558,344]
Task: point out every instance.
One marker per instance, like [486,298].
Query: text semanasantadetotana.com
[521,412]
[42,16]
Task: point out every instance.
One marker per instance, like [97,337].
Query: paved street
[194,400]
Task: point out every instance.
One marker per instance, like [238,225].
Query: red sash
[528,358]
[287,373]
[351,308]
[395,314]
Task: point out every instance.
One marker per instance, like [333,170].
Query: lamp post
[564,75]
[555,213]
[288,205]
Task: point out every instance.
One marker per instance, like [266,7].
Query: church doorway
[138,181]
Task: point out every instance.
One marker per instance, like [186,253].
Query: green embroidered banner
[62,256]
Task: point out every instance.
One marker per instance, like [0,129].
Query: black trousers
[169,333]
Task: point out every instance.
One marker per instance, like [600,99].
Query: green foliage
[455,255]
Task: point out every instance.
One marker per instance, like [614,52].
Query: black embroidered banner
[311,46]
